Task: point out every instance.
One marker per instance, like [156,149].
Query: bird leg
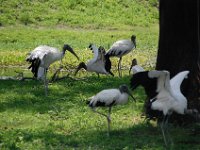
[167,129]
[107,117]
[119,67]
[162,126]
[98,75]
[45,82]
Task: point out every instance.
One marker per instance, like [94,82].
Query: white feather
[97,64]
[109,96]
[137,68]
[123,46]
[169,98]
[47,56]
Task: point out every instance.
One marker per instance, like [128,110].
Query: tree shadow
[137,137]
[29,96]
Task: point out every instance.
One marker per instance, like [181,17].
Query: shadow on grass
[140,136]
[137,137]
[29,95]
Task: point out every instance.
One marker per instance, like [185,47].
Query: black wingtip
[90,46]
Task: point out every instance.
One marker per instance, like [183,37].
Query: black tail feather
[108,64]
[35,63]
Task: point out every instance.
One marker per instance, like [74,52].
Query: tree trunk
[179,44]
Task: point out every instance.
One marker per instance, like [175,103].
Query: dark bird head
[70,49]
[124,89]
[81,65]
[134,62]
[133,39]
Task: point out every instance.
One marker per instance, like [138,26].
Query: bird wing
[39,52]
[163,79]
[176,81]
[98,55]
[107,97]
[42,50]
[121,47]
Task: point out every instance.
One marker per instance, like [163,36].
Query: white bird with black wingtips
[169,98]
[121,48]
[109,98]
[97,64]
[42,57]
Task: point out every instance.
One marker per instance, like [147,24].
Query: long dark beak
[72,51]
[129,93]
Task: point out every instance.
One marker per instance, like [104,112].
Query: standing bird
[135,68]
[42,57]
[98,63]
[109,98]
[121,48]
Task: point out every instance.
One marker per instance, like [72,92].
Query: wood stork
[42,57]
[99,64]
[121,48]
[109,98]
[135,68]
[168,97]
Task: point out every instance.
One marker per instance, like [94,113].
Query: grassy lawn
[31,121]
[64,121]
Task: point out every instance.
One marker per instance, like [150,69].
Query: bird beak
[72,51]
[129,93]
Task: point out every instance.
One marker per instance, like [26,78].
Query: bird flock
[165,96]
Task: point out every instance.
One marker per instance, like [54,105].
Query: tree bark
[179,44]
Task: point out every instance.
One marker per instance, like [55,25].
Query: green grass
[26,25]
[16,42]
[88,14]
[64,121]
[29,120]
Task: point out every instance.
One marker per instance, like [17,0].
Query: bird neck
[63,51]
[81,65]
[134,43]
